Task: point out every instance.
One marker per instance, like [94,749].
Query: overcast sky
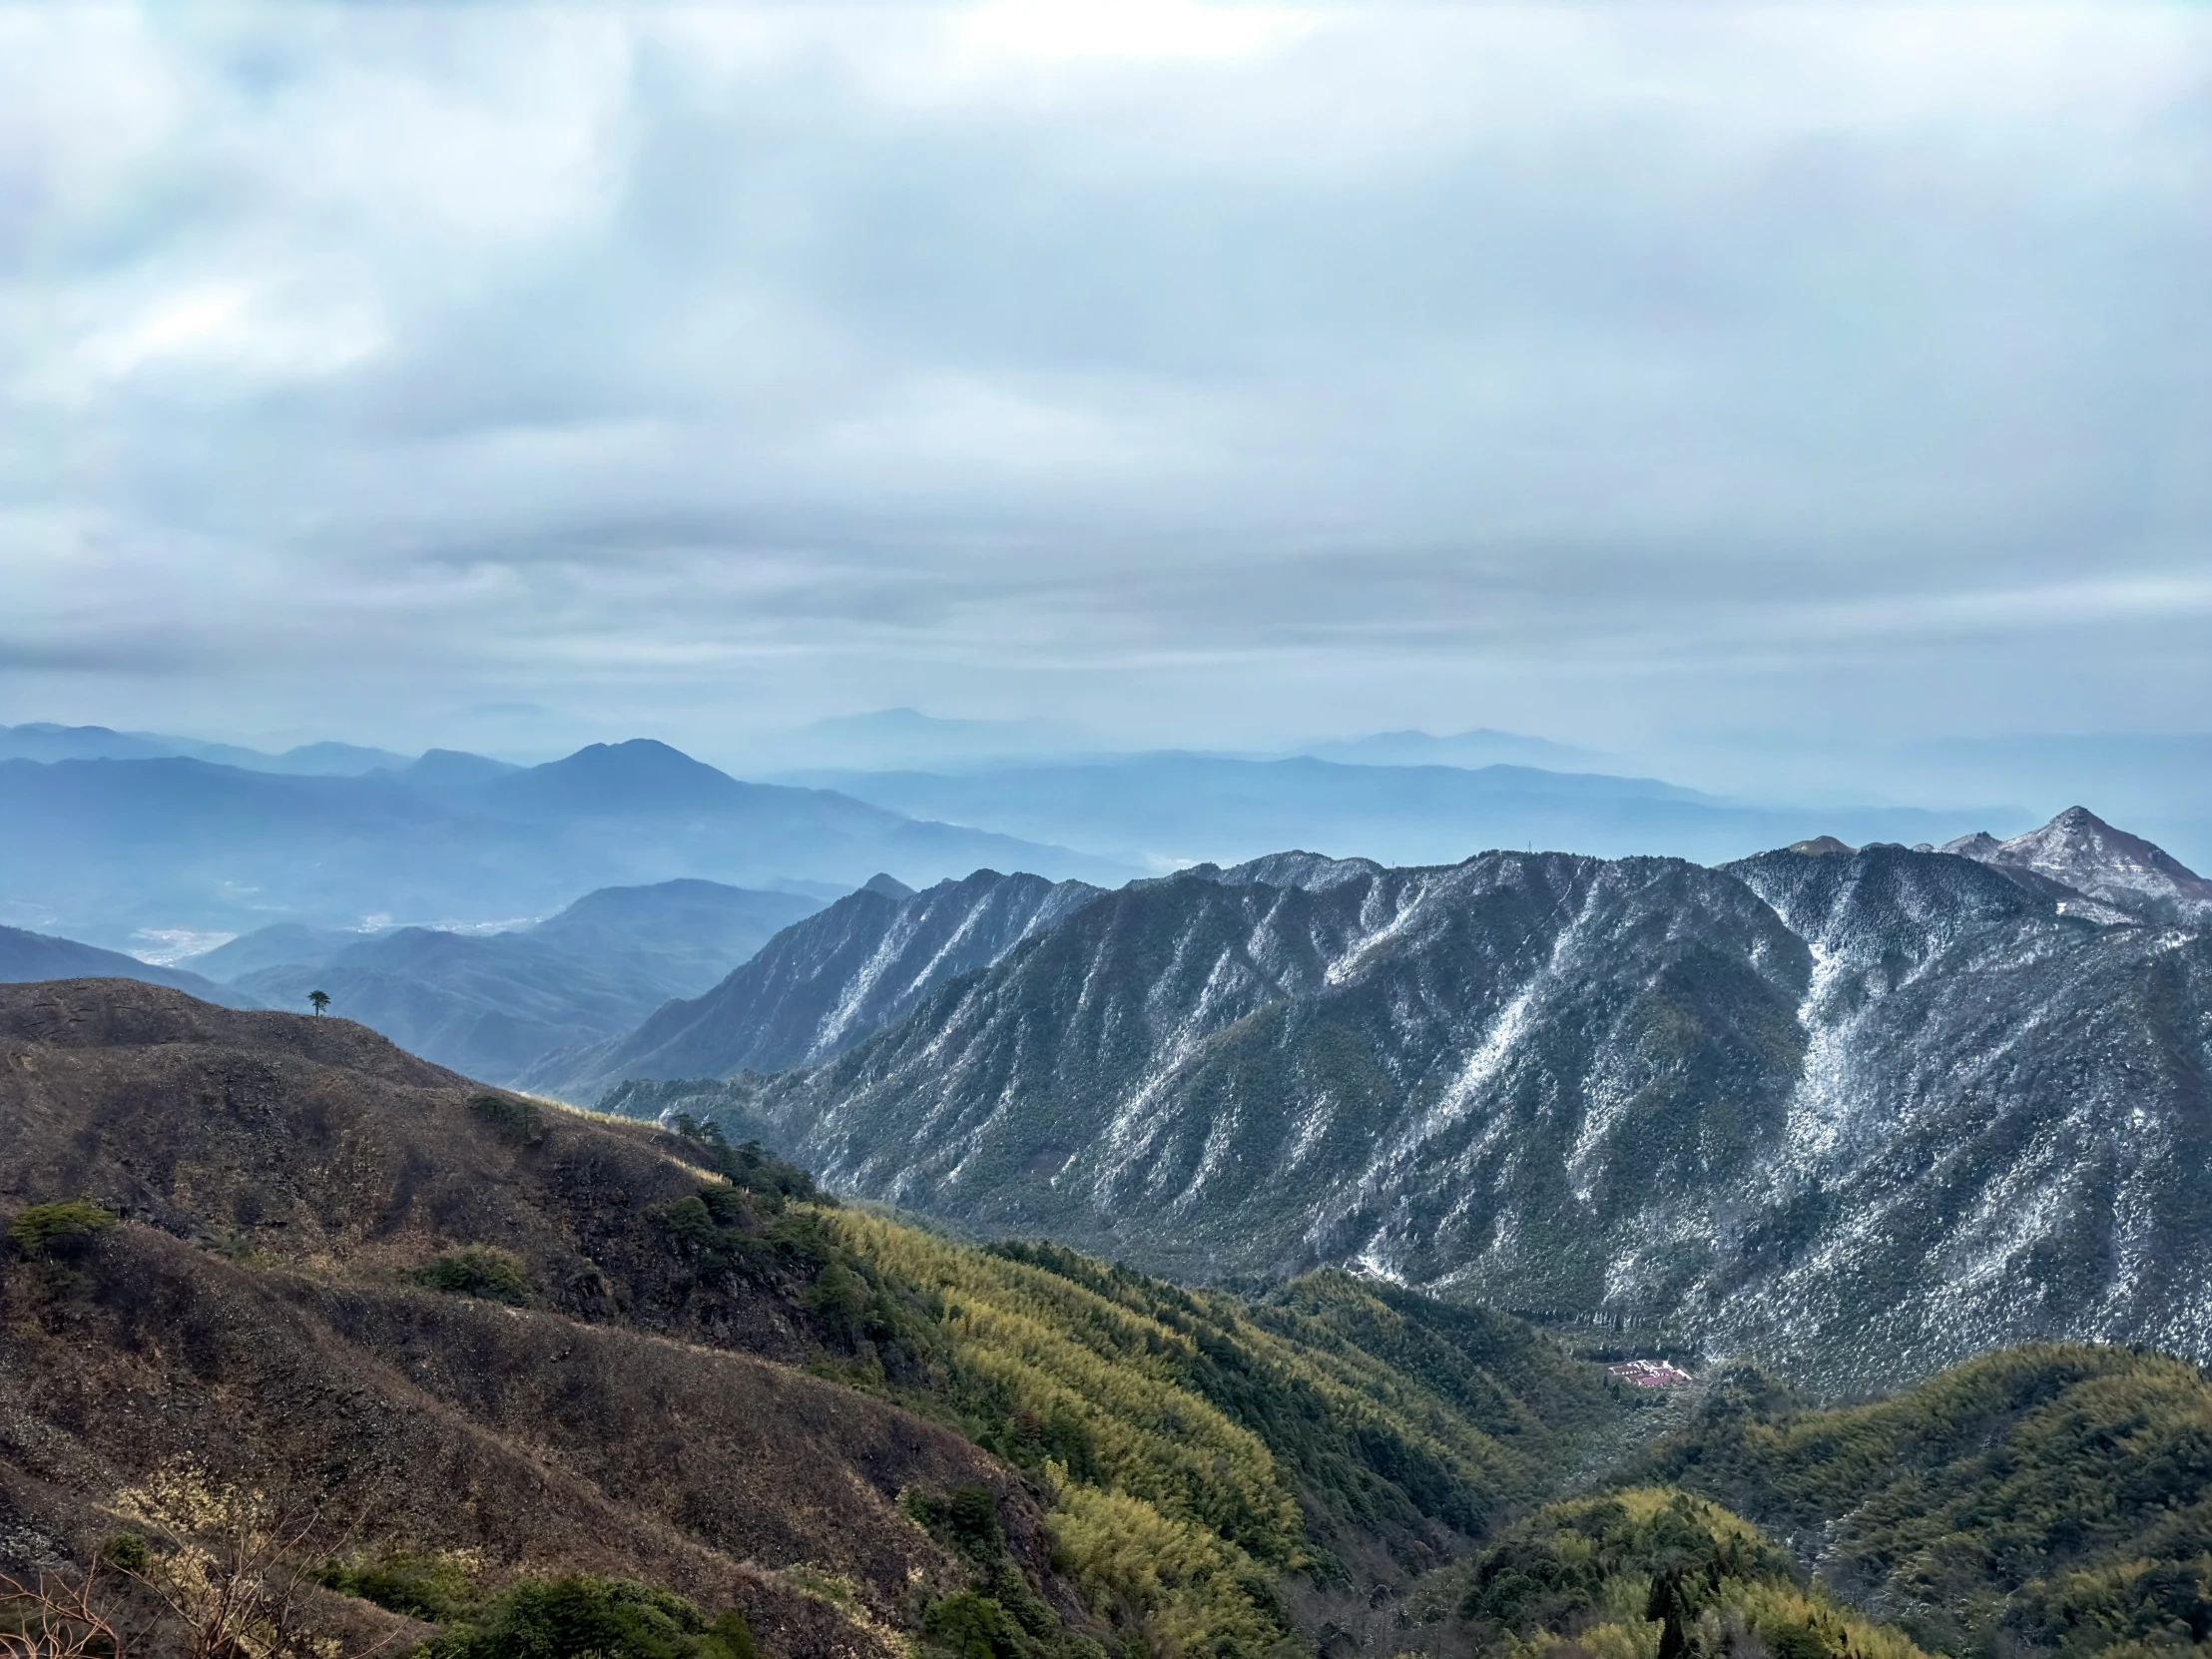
[518,376]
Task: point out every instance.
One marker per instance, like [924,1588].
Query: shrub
[965,1519]
[769,1179]
[127,1552]
[438,1589]
[57,1229]
[517,1122]
[606,1618]
[999,1615]
[974,1626]
[476,1271]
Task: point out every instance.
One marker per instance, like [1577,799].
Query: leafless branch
[54,1619]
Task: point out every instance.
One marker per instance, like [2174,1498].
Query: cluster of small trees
[2049,1498]
[1605,1571]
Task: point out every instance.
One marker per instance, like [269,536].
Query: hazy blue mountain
[905,737]
[275,945]
[1168,810]
[321,759]
[1865,1112]
[43,741]
[27,957]
[108,848]
[446,768]
[488,1004]
[691,931]
[1482,746]
[826,983]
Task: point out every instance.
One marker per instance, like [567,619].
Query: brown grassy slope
[316,1144]
[283,1175]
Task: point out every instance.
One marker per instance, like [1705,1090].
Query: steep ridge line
[1862,1113]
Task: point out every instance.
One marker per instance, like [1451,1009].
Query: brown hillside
[284,1178]
[316,1144]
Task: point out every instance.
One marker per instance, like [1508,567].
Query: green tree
[320,999]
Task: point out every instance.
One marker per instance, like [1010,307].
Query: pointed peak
[890,887]
[2090,855]
[620,778]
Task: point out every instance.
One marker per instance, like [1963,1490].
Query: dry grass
[282,1177]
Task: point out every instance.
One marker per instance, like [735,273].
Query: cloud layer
[1207,373]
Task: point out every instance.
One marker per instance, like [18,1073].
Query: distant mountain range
[1165,810]
[106,849]
[27,957]
[44,740]
[1865,1111]
[489,1004]
[1483,746]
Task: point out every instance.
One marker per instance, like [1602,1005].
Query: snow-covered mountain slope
[2087,855]
[2002,1127]
[1859,1112]
[825,983]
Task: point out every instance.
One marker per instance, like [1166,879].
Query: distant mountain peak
[633,752]
[1977,845]
[640,774]
[2092,857]
[1314,872]
[1822,846]
[454,767]
[889,886]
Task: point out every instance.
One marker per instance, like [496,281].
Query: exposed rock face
[1859,1112]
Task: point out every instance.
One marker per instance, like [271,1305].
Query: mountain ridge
[26,956]
[490,1004]
[2084,853]
[1632,1090]
[1172,807]
[825,983]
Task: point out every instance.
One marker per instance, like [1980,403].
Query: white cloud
[1145,30]
[1413,357]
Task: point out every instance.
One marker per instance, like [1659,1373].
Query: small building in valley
[1650,1373]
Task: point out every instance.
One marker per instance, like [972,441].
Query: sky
[514,377]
